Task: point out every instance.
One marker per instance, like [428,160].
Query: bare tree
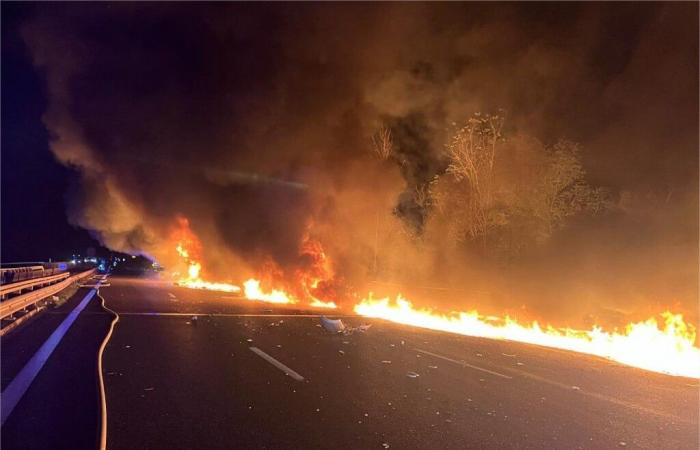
[483,198]
[471,154]
[382,143]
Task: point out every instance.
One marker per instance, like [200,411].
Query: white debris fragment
[385,445]
[341,352]
[623,444]
[412,375]
[575,388]
[149,389]
[506,354]
[479,355]
[386,362]
[333,326]
[519,363]
[432,367]
[249,340]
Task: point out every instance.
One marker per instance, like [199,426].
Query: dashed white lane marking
[462,363]
[287,371]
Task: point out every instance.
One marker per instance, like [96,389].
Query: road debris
[575,388]
[412,375]
[337,326]
[432,367]
[149,389]
[341,352]
[332,326]
[506,354]
[386,362]
[385,445]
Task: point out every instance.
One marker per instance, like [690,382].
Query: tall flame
[194,280]
[253,291]
[669,348]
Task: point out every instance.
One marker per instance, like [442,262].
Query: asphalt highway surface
[254,375]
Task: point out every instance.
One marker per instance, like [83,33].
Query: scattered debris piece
[346,342]
[386,362]
[432,367]
[337,326]
[403,342]
[127,346]
[385,445]
[333,326]
[412,375]
[341,352]
[249,340]
[479,355]
[149,389]
[392,345]
[623,444]
[519,363]
[506,354]
[575,388]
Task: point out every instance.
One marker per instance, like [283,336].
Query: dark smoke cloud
[255,121]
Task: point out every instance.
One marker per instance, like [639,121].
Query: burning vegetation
[308,160]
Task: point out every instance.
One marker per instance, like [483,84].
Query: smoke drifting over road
[256,123]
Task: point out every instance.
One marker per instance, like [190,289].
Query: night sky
[34,184]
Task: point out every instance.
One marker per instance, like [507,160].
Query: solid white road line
[462,363]
[279,365]
[20,384]
[203,314]
[103,396]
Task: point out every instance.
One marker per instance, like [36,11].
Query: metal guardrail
[31,283]
[9,307]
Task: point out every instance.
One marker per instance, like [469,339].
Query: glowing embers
[666,347]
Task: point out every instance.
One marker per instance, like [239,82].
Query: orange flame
[669,348]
